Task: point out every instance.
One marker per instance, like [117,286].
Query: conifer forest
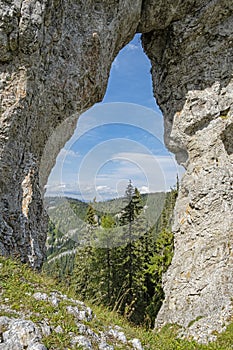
[116,257]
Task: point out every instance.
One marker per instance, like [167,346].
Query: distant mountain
[67,217]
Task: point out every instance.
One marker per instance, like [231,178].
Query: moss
[195,320]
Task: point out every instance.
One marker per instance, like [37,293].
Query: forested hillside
[114,252]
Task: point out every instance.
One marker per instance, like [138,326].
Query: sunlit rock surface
[192,63]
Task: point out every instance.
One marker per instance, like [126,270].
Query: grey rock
[11,345]
[82,341]
[136,344]
[4,323]
[58,329]
[85,330]
[45,328]
[37,347]
[54,299]
[21,331]
[40,296]
[198,114]
[45,48]
[19,334]
[105,346]
[118,335]
[81,315]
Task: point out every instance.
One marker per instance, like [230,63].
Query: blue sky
[118,139]
[130,79]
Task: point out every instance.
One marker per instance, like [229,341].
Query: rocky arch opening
[124,139]
[113,142]
[128,103]
[48,48]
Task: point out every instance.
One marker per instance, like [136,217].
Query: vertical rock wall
[55,58]
[193,81]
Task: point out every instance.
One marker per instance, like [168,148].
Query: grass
[18,283]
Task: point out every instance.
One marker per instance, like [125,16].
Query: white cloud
[149,173]
[158,171]
[55,186]
[132,47]
[102,188]
[144,159]
[68,153]
[116,64]
[101,114]
[144,189]
[106,168]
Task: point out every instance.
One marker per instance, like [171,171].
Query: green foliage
[161,258]
[120,260]
[83,274]
[195,320]
[91,216]
[107,222]
[121,266]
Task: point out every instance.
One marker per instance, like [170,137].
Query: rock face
[55,58]
[19,334]
[192,72]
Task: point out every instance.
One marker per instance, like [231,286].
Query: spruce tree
[132,257]
[83,274]
[91,216]
[103,257]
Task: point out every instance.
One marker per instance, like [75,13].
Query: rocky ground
[36,316]
[19,332]
[37,313]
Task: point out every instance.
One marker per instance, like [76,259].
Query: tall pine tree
[83,274]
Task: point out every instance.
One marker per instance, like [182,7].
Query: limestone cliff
[192,72]
[55,59]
